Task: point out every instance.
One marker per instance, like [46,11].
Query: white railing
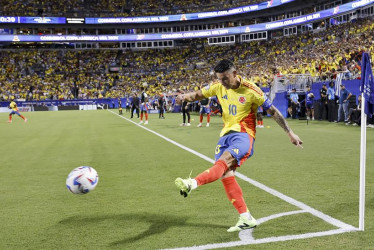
[285,83]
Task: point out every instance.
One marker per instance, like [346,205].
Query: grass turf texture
[137,206]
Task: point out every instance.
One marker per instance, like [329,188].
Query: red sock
[10,117]
[141,116]
[208,118]
[146,116]
[262,122]
[235,194]
[212,174]
[258,122]
[201,118]
[22,117]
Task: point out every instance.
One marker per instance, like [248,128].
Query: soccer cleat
[184,185]
[188,124]
[146,122]
[9,121]
[207,124]
[199,125]
[140,122]
[182,124]
[25,119]
[242,224]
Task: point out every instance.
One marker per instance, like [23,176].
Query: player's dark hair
[223,66]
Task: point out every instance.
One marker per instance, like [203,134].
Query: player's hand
[295,139]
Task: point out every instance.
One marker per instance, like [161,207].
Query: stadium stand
[69,74]
[93,8]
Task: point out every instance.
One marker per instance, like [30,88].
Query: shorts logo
[242,99]
[236,150]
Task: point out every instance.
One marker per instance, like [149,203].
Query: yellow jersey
[239,105]
[13,106]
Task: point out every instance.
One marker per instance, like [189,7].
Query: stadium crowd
[74,74]
[114,8]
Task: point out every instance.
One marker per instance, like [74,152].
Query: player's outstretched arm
[279,118]
[190,97]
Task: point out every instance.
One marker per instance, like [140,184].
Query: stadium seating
[90,8]
[68,74]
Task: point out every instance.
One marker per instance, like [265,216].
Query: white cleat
[199,125]
[184,186]
[141,122]
[182,124]
[243,223]
[146,122]
[207,124]
[188,124]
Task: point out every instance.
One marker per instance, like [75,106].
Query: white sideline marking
[344,227]
[266,240]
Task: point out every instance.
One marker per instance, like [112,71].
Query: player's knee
[229,160]
[228,173]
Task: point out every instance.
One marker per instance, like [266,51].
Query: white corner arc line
[284,197]
[274,216]
[247,235]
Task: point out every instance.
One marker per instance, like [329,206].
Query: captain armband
[267,103]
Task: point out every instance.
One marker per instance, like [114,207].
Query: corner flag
[367,84]
[367,101]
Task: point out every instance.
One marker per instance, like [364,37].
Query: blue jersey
[309,97]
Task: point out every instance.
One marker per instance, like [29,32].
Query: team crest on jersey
[242,99]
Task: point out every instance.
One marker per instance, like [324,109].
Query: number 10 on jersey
[232,109]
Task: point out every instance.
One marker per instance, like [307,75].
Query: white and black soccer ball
[82,180]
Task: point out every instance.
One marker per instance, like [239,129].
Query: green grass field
[136,204]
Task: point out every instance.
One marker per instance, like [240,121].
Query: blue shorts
[309,105]
[204,110]
[14,112]
[143,107]
[240,146]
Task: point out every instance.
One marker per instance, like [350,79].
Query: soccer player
[14,108]
[309,98]
[143,106]
[239,99]
[260,120]
[204,109]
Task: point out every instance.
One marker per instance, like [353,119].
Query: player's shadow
[158,224]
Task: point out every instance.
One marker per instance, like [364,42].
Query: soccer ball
[82,180]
